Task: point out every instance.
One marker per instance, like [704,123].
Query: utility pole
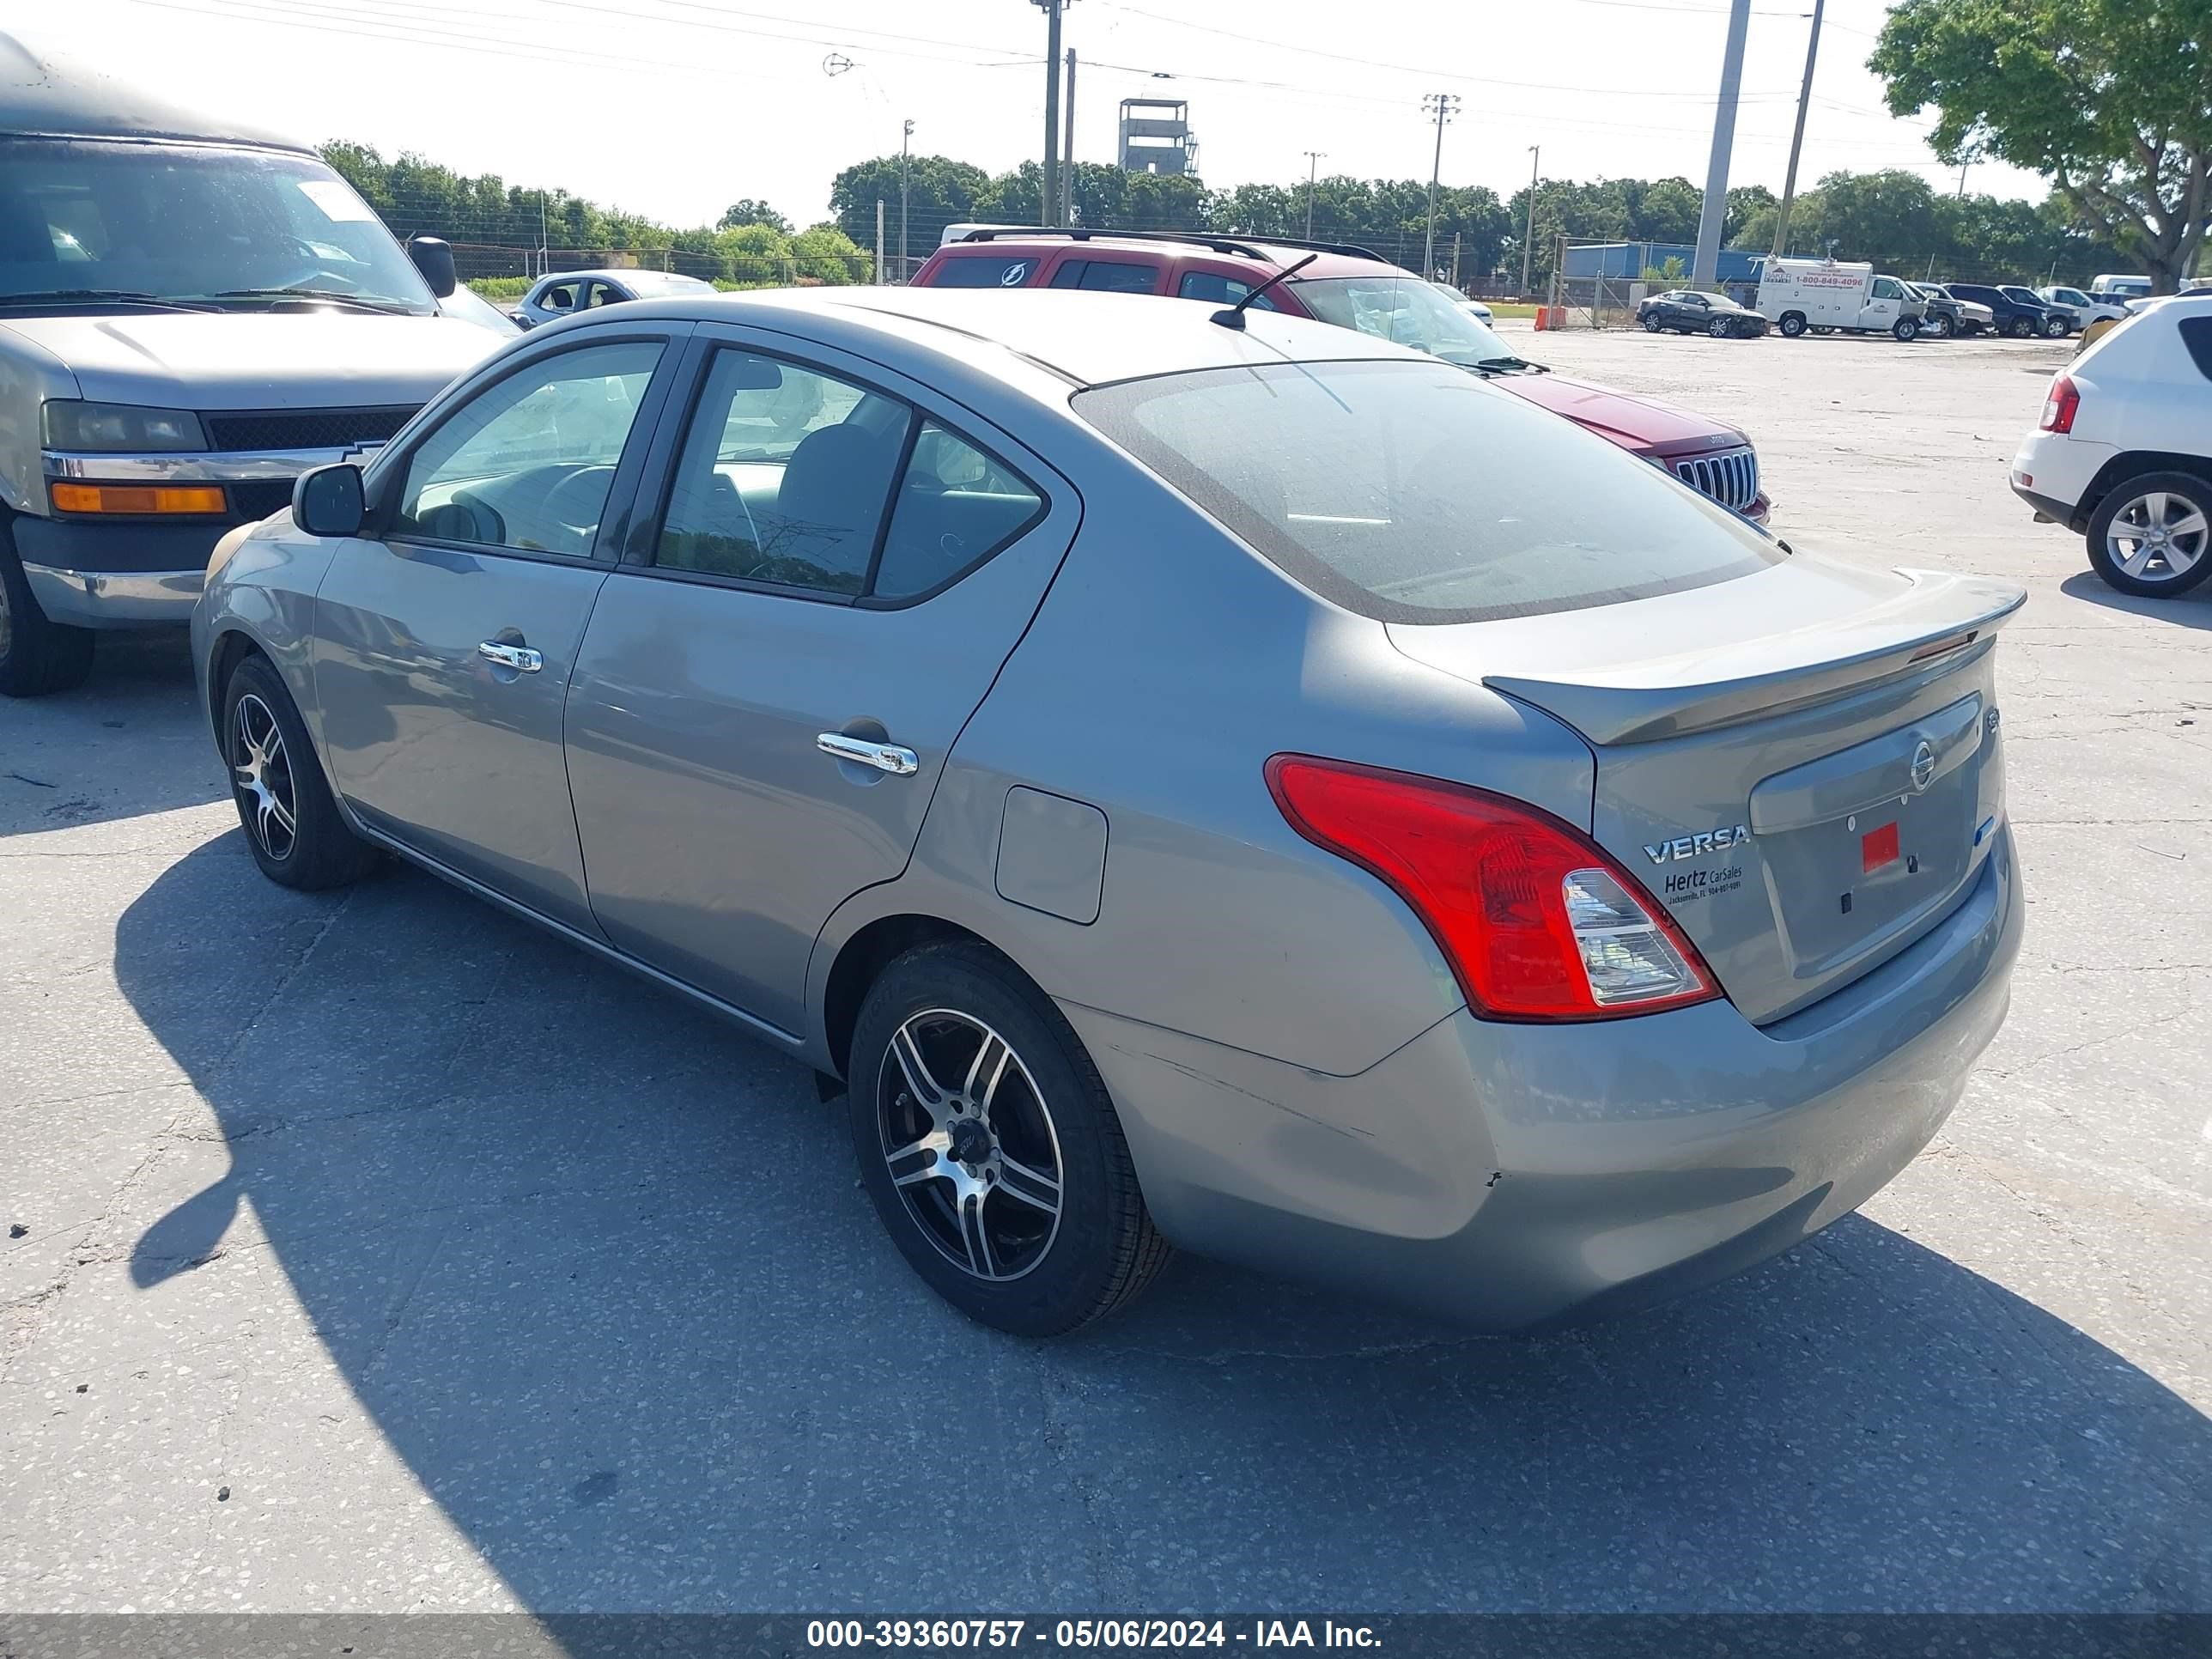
[879,241]
[906,143]
[1964,161]
[1529,236]
[1049,197]
[1797,138]
[1440,104]
[1706,268]
[1067,150]
[1455,258]
[1313,163]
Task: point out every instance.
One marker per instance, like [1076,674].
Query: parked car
[2119,285]
[2013,311]
[838,666]
[566,292]
[193,313]
[1686,311]
[1836,296]
[2059,320]
[2085,308]
[1949,315]
[2123,453]
[1473,308]
[1352,288]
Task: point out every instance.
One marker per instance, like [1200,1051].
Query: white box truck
[1824,294]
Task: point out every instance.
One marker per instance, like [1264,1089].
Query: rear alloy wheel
[1792,324]
[2152,535]
[38,655]
[1652,323]
[2019,328]
[990,1148]
[1941,326]
[292,825]
[2054,328]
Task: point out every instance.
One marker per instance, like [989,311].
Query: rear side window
[957,507]
[985,270]
[2196,335]
[1412,492]
[1107,275]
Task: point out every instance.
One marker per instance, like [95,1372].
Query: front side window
[784,476]
[1212,286]
[1885,289]
[1413,492]
[528,463]
[228,226]
[985,270]
[561,297]
[1404,309]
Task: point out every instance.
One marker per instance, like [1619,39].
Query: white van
[193,313]
[2120,285]
[1797,294]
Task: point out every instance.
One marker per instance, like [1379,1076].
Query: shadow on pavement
[2189,610]
[601,1272]
[131,741]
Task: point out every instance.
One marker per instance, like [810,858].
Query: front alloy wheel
[1653,323]
[969,1140]
[261,773]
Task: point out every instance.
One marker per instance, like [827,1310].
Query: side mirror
[434,259]
[329,501]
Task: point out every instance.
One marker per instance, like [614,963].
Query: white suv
[2124,452]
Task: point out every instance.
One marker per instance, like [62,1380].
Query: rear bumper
[133,573]
[1516,1175]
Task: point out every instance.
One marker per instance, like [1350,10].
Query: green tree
[748,211]
[939,191]
[2110,100]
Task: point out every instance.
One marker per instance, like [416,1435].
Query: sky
[674,108]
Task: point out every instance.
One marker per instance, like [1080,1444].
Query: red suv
[1352,288]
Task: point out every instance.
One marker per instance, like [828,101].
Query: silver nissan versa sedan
[1198,777]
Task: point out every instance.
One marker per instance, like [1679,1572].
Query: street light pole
[1067,150]
[906,142]
[1529,236]
[1705,272]
[1797,138]
[1049,196]
[1440,105]
[1313,163]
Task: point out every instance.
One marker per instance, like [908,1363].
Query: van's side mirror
[434,258]
[329,501]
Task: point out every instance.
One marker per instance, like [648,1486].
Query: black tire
[1906,329]
[1099,1250]
[38,655]
[320,850]
[1941,326]
[2020,328]
[2183,487]
[1653,323]
[1792,324]
[1720,328]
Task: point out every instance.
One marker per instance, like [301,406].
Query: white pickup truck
[1831,296]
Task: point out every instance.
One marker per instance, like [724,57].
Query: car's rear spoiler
[1939,615]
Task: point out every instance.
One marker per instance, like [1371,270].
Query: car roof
[1078,338]
[49,95]
[1254,252]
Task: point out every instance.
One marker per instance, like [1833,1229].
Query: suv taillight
[1537,921]
[2059,407]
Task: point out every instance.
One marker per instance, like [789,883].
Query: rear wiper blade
[63,296]
[319,295]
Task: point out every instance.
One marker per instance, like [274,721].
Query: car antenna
[1234,316]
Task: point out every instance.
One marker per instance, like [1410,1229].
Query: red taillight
[1537,921]
[2059,407]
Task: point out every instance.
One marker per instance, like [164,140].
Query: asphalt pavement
[380,1253]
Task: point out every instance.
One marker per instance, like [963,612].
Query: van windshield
[82,219]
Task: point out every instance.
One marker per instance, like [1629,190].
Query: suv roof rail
[1249,249]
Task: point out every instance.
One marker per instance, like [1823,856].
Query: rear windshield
[1414,493]
[985,270]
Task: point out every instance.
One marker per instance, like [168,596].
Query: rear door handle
[519,658]
[883,756]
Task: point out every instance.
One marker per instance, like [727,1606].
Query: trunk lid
[1802,765]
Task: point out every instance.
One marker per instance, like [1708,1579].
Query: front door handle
[519,658]
[883,756]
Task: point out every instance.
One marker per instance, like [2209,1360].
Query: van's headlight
[120,428]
